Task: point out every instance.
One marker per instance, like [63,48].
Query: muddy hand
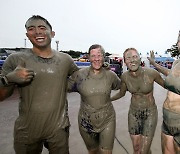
[106,65]
[21,74]
[152,57]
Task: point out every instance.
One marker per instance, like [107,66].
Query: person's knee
[176,147]
[167,143]
[136,140]
[59,143]
[93,151]
[105,151]
[137,147]
[22,148]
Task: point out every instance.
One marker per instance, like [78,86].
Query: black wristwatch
[4,80]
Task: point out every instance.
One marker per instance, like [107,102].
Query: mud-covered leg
[102,151]
[146,144]
[136,141]
[93,151]
[177,148]
[35,148]
[107,137]
[167,144]
[141,144]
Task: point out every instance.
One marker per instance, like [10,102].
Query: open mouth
[39,39]
[133,65]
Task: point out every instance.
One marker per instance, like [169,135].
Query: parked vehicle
[164,61]
[117,69]
[1,63]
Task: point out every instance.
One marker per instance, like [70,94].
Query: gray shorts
[142,121]
[58,143]
[171,124]
[103,139]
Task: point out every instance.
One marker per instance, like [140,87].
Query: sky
[115,24]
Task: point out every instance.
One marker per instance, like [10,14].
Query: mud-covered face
[96,58]
[39,33]
[132,60]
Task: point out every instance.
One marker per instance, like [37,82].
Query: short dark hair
[95,46]
[36,17]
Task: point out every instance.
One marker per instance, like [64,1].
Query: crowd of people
[43,78]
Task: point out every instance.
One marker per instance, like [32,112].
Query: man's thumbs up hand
[21,74]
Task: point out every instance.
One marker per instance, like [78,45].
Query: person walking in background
[96,117]
[40,74]
[170,136]
[142,116]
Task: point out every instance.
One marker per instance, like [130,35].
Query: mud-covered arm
[116,84]
[106,65]
[72,84]
[159,68]
[73,67]
[5,91]
[172,81]
[158,78]
[72,74]
[173,84]
[121,92]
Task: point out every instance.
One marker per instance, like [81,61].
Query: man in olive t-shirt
[40,75]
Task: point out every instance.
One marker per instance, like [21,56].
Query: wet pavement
[9,112]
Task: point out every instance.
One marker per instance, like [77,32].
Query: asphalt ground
[122,144]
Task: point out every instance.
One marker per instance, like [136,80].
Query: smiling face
[132,59]
[96,58]
[39,33]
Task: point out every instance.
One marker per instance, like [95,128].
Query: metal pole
[25,43]
[57,45]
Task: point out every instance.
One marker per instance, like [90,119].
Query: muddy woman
[142,116]
[96,115]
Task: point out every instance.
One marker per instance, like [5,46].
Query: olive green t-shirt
[43,104]
[96,109]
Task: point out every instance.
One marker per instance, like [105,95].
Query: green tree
[174,51]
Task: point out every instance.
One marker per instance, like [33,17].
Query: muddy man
[142,116]
[171,108]
[40,74]
[96,115]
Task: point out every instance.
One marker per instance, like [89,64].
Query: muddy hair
[95,46]
[128,50]
[38,17]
